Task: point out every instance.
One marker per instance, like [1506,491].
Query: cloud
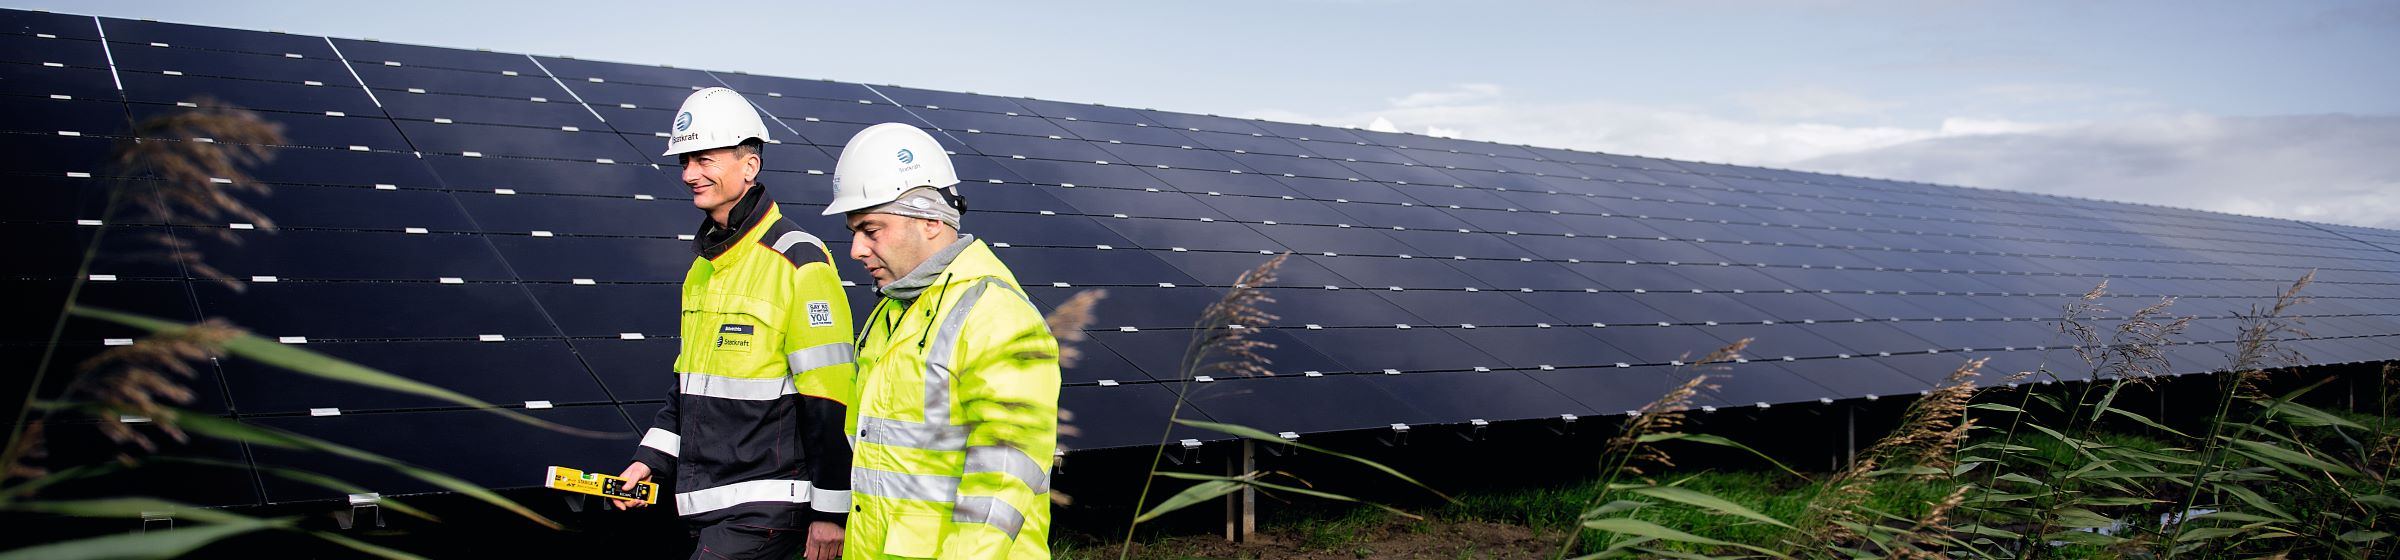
[1462,93]
[2327,168]
[1484,112]
[2330,168]
[2031,93]
[1968,126]
[1807,103]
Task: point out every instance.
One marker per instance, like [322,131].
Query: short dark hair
[754,147]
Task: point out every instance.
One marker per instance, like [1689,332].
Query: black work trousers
[728,541]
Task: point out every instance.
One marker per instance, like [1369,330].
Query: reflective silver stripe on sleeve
[829,501]
[664,441]
[790,238]
[991,511]
[885,431]
[721,497]
[1010,461]
[746,389]
[821,355]
[890,484]
[943,349]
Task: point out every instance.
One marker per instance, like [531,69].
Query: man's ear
[929,229]
[750,165]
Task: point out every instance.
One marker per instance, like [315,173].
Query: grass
[2021,474]
[1775,494]
[1551,510]
[1341,530]
[2057,452]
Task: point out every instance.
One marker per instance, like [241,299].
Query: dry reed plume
[1067,322]
[2258,349]
[1666,413]
[146,379]
[1929,436]
[192,165]
[1935,522]
[2135,350]
[190,169]
[1224,328]
[1633,446]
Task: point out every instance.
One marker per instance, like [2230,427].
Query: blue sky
[2284,109]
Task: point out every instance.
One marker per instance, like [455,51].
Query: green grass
[1339,530]
[1775,494]
[2057,452]
[1342,530]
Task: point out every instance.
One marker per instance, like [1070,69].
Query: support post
[1850,435]
[1241,507]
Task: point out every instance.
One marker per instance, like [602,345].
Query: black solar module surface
[502,225]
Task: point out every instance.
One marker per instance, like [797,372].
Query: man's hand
[824,541]
[634,474]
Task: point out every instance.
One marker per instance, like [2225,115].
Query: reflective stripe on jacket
[957,417]
[752,431]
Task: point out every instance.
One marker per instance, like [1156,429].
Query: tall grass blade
[1719,441]
[1642,528]
[305,362]
[1198,493]
[1262,435]
[156,544]
[236,431]
[1707,501]
[2266,451]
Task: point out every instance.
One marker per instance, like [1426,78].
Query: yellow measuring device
[597,484]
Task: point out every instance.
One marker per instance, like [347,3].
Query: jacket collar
[927,273]
[712,241]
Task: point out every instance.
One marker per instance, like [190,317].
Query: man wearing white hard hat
[752,432]
[957,410]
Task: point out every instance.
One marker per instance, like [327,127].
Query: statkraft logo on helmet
[683,121]
[907,156]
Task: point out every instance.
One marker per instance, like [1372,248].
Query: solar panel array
[501,224]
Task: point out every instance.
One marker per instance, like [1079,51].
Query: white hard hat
[884,161]
[714,118]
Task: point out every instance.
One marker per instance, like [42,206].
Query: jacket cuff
[829,505]
[662,466]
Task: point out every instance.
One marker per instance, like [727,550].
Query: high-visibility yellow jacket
[753,430]
[957,417]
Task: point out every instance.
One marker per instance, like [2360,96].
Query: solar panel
[501,224]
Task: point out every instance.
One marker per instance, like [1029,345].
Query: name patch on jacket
[820,313]
[734,335]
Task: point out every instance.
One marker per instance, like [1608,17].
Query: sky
[2285,109]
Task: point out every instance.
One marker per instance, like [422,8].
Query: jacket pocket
[915,535]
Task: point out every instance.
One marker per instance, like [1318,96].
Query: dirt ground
[1399,540]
